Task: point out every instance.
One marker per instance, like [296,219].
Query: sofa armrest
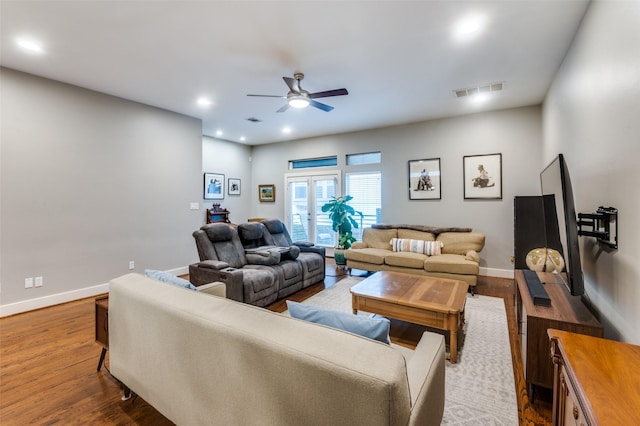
[231,277]
[214,264]
[312,249]
[425,371]
[359,245]
[216,289]
[263,257]
[303,243]
[473,256]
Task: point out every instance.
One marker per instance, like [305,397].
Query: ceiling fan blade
[292,83]
[269,96]
[320,105]
[283,108]
[328,93]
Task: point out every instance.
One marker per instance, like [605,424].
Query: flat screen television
[561,223]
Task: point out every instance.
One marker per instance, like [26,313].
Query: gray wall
[592,116]
[516,133]
[233,161]
[88,183]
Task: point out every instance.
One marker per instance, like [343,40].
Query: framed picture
[234,187]
[482,177]
[213,186]
[424,179]
[267,193]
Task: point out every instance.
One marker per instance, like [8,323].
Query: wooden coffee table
[432,302]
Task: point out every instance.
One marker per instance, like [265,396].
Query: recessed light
[479,98]
[219,133]
[286,130]
[29,45]
[204,102]
[242,139]
[468,27]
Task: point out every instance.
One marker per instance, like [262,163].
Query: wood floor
[48,361]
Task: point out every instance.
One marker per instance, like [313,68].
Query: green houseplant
[342,222]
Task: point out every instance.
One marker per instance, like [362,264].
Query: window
[365,188]
[313,162]
[366,158]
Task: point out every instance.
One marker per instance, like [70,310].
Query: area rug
[480,388]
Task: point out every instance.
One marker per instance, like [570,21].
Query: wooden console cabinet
[596,381]
[102,326]
[565,313]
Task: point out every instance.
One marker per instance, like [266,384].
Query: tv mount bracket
[603,225]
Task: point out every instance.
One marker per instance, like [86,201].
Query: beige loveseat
[459,257]
[206,360]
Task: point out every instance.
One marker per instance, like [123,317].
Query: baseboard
[494,272]
[69,296]
[179,271]
[51,300]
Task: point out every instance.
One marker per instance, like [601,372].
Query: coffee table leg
[453,339]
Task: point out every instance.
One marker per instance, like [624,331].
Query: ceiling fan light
[298,102]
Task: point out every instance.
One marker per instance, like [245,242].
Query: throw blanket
[433,229]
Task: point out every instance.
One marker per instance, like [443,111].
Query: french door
[306,194]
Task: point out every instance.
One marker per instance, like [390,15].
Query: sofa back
[461,242]
[412,234]
[379,238]
[200,359]
[219,241]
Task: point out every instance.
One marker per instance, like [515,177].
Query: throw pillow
[372,328]
[430,248]
[166,277]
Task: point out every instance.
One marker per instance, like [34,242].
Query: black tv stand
[537,291]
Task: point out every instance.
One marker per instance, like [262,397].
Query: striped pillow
[430,248]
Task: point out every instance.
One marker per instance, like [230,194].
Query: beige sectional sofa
[206,360]
[459,258]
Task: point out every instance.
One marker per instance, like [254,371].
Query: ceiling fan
[300,98]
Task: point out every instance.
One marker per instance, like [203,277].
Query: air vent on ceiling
[485,88]
[254,120]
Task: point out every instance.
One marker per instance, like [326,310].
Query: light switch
[194,206]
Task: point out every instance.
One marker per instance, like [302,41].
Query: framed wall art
[482,177]
[234,186]
[425,179]
[213,186]
[267,193]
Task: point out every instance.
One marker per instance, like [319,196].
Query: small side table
[102,326]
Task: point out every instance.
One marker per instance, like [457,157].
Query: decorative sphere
[536,260]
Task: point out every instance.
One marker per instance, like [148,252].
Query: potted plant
[342,222]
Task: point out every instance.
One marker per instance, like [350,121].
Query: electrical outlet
[132,264]
[28,282]
[39,281]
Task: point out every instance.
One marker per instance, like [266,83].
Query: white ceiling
[399,60]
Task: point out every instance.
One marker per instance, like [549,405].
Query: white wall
[516,133]
[592,116]
[233,161]
[88,183]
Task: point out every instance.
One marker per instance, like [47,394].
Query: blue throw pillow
[166,277]
[373,328]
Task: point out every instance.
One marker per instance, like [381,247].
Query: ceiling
[399,60]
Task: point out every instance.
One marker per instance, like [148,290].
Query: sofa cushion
[369,255]
[168,278]
[378,238]
[451,263]
[461,242]
[406,259]
[372,328]
[430,248]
